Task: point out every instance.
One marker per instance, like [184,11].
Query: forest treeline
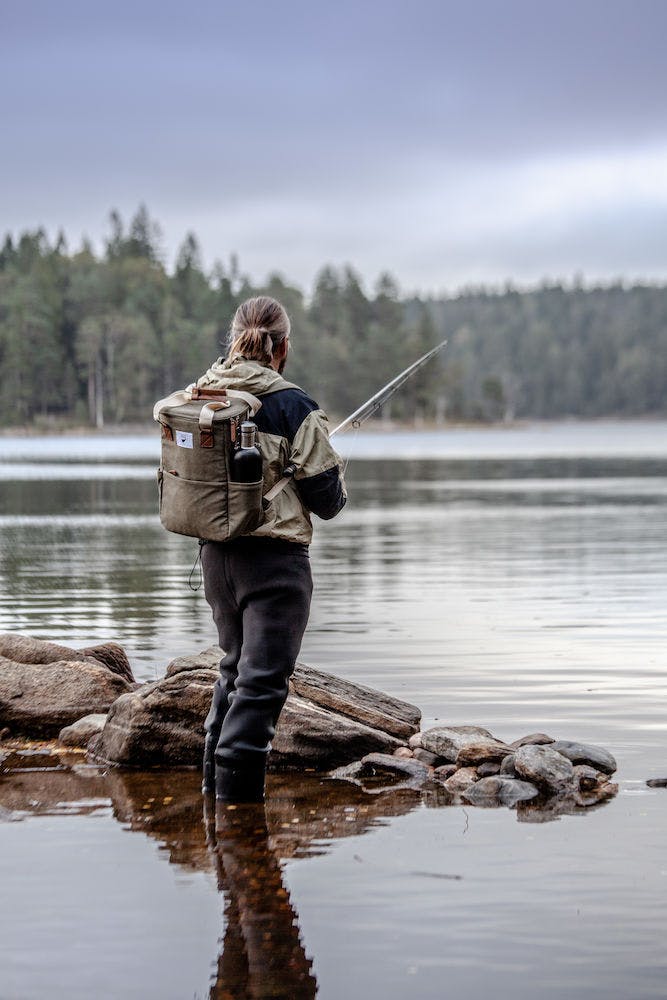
[97,338]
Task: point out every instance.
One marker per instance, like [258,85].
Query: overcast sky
[449,143]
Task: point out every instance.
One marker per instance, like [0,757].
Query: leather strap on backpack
[219,400]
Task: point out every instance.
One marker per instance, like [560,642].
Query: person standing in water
[259,585]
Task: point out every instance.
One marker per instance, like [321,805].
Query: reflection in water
[520,594]
[262,953]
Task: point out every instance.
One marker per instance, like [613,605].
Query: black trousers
[259,590]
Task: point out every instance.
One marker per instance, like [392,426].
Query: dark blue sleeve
[322,494]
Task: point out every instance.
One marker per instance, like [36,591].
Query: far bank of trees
[97,339]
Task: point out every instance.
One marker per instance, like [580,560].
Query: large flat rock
[311,735]
[39,699]
[27,649]
[161,723]
[326,721]
[355,701]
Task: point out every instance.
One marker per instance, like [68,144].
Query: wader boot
[259,591]
[240,782]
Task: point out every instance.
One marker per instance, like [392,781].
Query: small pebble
[657,782]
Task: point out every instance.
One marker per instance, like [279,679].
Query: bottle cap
[248,434]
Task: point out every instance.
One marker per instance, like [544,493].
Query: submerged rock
[586,753]
[381,763]
[499,791]
[657,782]
[544,766]
[381,771]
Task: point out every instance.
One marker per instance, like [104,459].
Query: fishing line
[353,438]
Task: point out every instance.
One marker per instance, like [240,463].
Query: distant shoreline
[371,426]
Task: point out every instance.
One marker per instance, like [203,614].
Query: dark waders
[259,590]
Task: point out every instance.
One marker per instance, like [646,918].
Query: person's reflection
[262,954]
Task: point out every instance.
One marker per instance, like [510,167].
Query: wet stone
[499,791]
[591,786]
[353,771]
[448,741]
[445,771]
[587,778]
[544,766]
[657,782]
[507,766]
[462,779]
[82,731]
[586,753]
[41,698]
[382,763]
[426,757]
[534,739]
[479,751]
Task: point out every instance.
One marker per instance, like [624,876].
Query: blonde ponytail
[259,325]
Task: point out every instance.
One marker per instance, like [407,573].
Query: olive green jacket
[291,430]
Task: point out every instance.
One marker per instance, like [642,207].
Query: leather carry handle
[219,396]
[202,393]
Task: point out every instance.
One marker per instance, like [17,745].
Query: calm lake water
[511,578]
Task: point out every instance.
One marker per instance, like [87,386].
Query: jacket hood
[240,373]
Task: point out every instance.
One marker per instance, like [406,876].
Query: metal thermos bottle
[247,460]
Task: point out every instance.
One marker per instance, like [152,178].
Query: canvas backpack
[200,430]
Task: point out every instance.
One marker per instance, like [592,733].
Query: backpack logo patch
[184,439]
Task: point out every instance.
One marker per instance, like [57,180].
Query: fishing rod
[373,404]
[363,412]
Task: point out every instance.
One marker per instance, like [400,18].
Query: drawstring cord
[202,543]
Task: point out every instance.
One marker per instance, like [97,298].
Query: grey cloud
[316,124]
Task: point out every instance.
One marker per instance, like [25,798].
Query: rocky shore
[87,702]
